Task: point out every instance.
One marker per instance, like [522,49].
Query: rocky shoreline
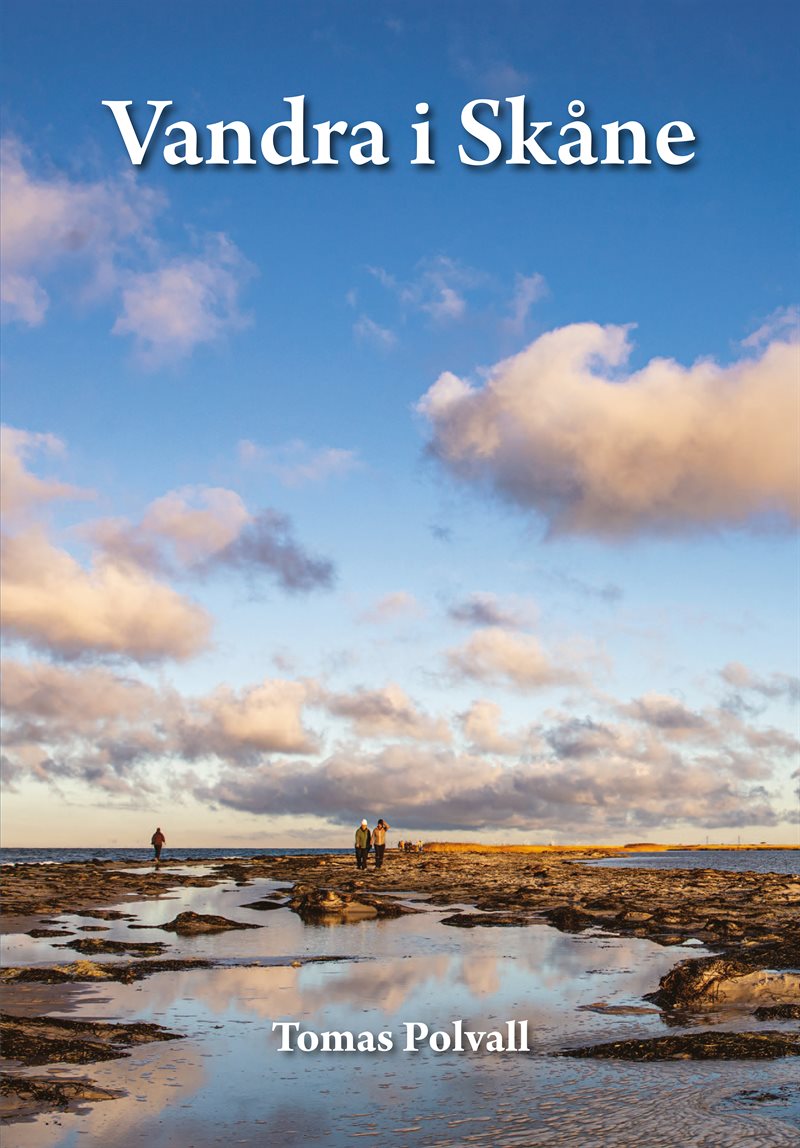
[750,921]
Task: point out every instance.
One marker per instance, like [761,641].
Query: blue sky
[462,496]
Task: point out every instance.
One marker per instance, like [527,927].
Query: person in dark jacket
[363,842]
[157,840]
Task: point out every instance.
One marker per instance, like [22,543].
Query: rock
[106,915]
[486,920]
[569,920]
[80,971]
[753,977]
[40,1040]
[25,1096]
[778,1012]
[189,923]
[711,1045]
[129,948]
[317,904]
[330,906]
[632,917]
[264,905]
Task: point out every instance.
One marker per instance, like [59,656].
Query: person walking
[363,841]
[379,841]
[157,840]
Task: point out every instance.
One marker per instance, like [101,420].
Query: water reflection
[227,1081]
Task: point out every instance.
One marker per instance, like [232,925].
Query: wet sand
[748,923]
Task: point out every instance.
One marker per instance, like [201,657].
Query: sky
[464,496]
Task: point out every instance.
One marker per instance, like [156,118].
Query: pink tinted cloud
[497,655]
[561,430]
[53,603]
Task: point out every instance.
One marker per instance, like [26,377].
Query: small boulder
[189,923]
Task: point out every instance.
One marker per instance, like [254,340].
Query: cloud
[53,603]
[387,712]
[775,686]
[185,303]
[199,530]
[118,604]
[266,543]
[589,775]
[484,66]
[719,727]
[785,321]
[267,717]
[559,430]
[667,714]
[195,532]
[50,222]
[439,790]
[528,289]
[97,241]
[480,725]
[438,288]
[584,738]
[485,609]
[94,724]
[397,604]
[441,533]
[366,330]
[560,579]
[296,463]
[495,655]
[20,489]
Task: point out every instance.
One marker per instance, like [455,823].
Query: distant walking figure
[157,840]
[363,841]
[379,841]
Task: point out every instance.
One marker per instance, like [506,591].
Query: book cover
[400,419]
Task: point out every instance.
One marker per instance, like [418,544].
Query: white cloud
[784,322]
[107,729]
[184,303]
[53,603]
[266,717]
[20,489]
[397,604]
[658,768]
[438,288]
[366,330]
[480,725]
[199,530]
[51,221]
[441,790]
[668,714]
[118,603]
[777,685]
[387,712]
[556,430]
[96,241]
[196,531]
[496,655]
[528,289]
[296,463]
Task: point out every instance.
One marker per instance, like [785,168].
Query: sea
[737,861]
